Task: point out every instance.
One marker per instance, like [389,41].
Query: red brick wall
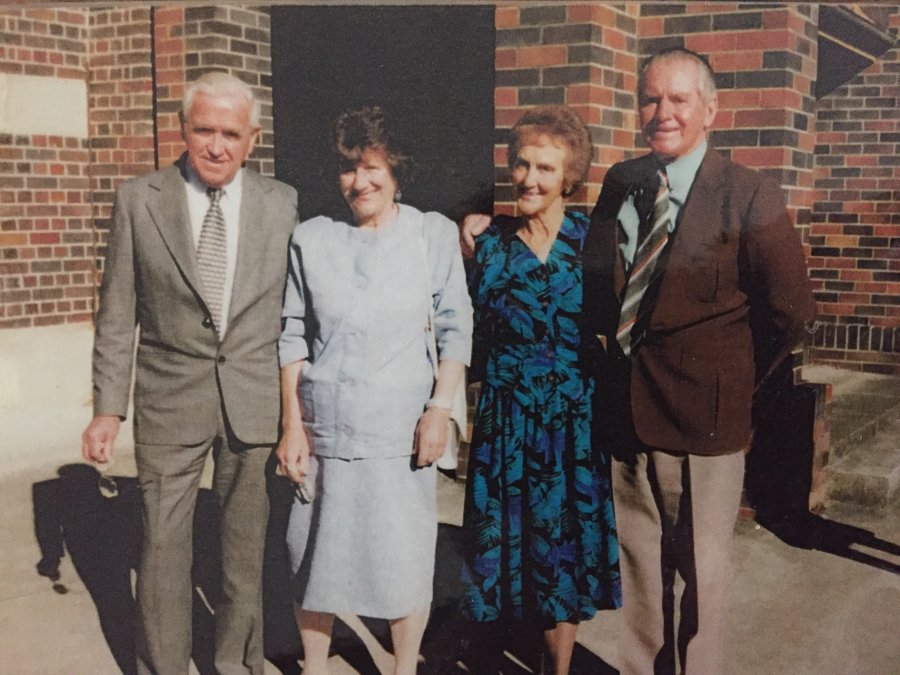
[44,42]
[581,54]
[855,231]
[120,109]
[170,52]
[45,231]
[46,253]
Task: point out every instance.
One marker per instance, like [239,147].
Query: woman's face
[369,188]
[538,174]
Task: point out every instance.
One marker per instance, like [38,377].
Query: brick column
[235,39]
[120,108]
[169,51]
[579,54]
[190,41]
[45,238]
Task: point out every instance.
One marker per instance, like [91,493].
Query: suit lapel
[252,240]
[168,208]
[702,214]
[619,276]
[633,175]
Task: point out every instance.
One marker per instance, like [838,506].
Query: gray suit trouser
[169,477]
[675,513]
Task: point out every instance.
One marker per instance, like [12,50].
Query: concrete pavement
[830,607]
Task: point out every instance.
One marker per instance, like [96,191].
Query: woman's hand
[293,449]
[293,453]
[431,435]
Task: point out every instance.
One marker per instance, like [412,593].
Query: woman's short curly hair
[563,124]
[361,129]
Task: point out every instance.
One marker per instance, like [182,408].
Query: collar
[574,225]
[682,172]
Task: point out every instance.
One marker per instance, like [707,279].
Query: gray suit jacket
[183,373]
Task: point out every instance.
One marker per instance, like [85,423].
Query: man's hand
[98,439]
[293,454]
[431,435]
[472,225]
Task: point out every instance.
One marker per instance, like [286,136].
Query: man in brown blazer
[196,261]
[679,356]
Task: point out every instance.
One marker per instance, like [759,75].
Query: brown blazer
[184,375]
[732,302]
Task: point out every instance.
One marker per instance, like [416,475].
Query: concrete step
[864,446]
[856,426]
[868,471]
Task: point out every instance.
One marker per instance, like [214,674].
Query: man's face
[674,115]
[219,136]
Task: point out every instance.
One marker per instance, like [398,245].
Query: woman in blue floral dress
[540,531]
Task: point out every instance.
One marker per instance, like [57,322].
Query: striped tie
[211,257]
[645,259]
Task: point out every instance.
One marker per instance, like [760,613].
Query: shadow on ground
[102,534]
[809,531]
[779,479]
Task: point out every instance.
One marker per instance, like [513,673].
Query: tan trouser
[675,513]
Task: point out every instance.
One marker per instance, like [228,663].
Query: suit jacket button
[207,322]
[221,359]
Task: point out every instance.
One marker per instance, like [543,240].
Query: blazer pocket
[702,284]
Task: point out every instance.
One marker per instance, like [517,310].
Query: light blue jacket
[356,310]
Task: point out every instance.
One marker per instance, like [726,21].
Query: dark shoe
[49,567]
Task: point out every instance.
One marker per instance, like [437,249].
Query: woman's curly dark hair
[361,129]
[562,123]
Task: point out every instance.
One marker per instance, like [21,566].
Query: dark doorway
[431,67]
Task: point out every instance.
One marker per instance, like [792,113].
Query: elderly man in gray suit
[197,261]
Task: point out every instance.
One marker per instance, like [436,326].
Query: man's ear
[712,108]
[254,137]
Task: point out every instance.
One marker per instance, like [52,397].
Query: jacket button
[207,322]
[221,359]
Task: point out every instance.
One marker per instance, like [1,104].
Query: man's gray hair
[217,83]
[707,76]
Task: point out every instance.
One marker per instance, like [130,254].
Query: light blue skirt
[366,543]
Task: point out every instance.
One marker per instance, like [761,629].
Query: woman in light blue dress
[364,418]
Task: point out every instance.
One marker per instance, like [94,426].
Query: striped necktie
[211,257]
[642,269]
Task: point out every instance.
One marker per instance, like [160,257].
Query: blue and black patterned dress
[540,531]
